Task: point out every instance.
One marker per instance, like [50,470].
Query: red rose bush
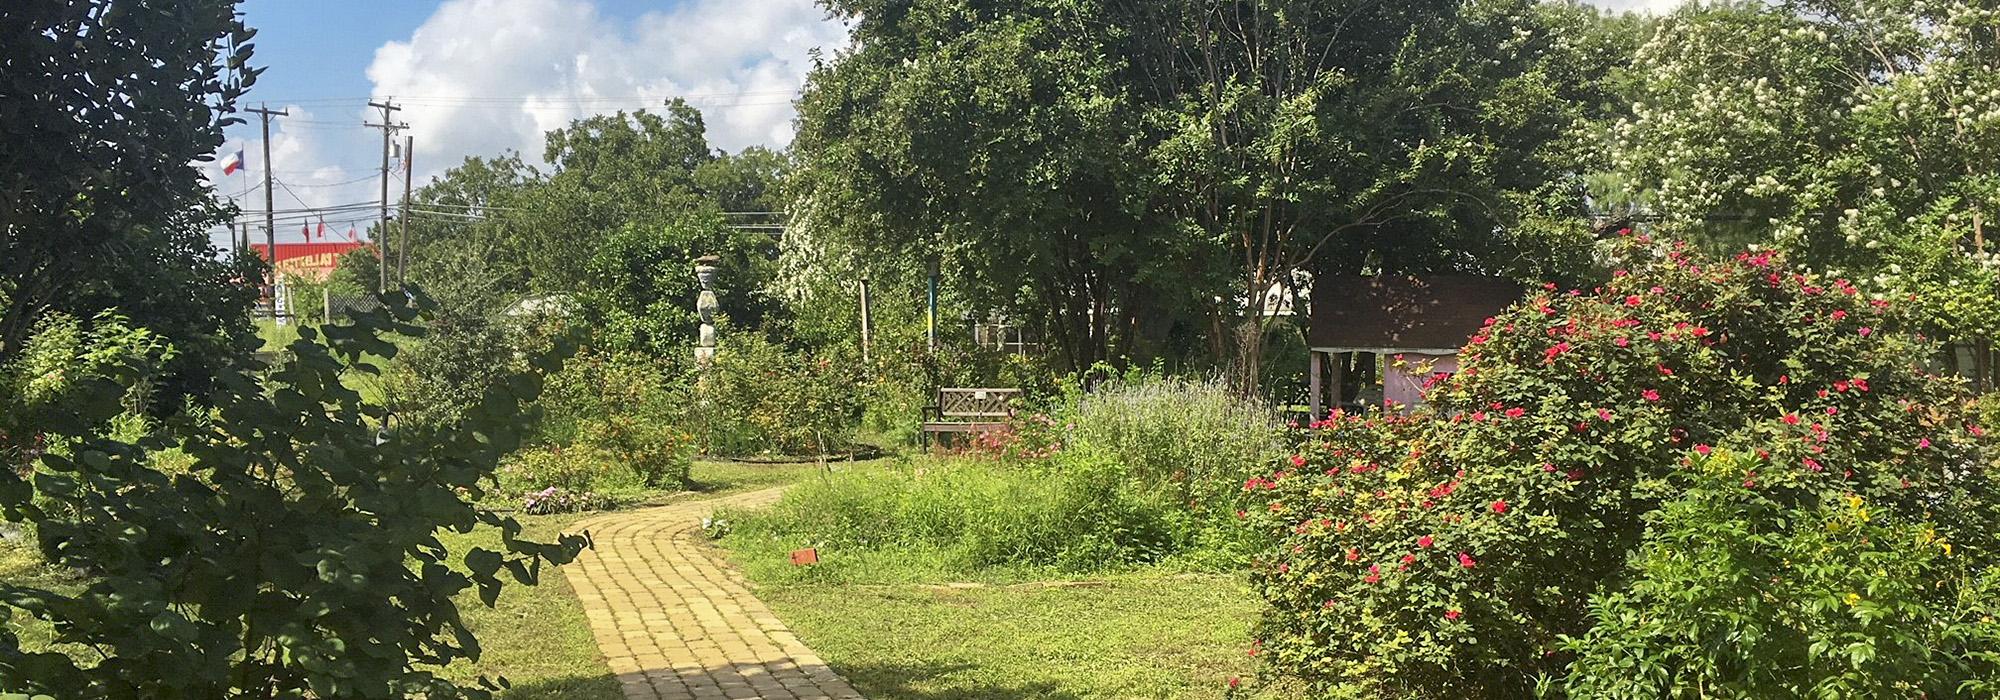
[1531,526]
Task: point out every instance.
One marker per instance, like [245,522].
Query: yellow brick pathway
[675,624]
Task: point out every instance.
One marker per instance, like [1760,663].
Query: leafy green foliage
[1816,599]
[1107,171]
[630,201]
[1857,138]
[757,397]
[1452,553]
[297,552]
[448,371]
[62,365]
[970,515]
[109,106]
[608,425]
[1188,440]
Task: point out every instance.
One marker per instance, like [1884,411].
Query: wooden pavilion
[1425,319]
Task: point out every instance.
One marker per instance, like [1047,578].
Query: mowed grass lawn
[1146,634]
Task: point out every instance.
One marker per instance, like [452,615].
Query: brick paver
[675,624]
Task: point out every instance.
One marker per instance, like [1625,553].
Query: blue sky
[479,77]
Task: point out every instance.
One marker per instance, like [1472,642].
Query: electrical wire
[326,184]
[576,99]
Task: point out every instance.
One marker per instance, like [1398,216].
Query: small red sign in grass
[804,557]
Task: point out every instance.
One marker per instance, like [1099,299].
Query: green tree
[614,226]
[465,243]
[1856,134]
[1112,170]
[109,106]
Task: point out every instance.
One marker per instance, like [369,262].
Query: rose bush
[1459,551]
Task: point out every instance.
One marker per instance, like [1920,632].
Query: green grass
[21,565]
[908,618]
[717,479]
[275,337]
[1144,634]
[535,636]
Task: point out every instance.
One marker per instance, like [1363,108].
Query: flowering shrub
[1028,436]
[757,397]
[1830,599]
[1454,552]
[556,499]
[653,453]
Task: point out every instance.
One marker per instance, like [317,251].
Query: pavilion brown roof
[1435,313]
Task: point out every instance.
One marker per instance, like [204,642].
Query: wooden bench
[968,411]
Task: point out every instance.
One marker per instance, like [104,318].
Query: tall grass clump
[956,518]
[1194,435]
[1191,441]
[1139,471]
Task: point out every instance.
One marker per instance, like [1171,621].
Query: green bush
[758,398]
[654,453]
[596,386]
[1737,593]
[1456,552]
[571,468]
[444,374]
[607,426]
[295,556]
[967,514]
[611,457]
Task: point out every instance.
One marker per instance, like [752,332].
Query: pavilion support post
[1339,373]
[1313,387]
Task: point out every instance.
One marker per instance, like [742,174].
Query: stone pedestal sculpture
[706,305]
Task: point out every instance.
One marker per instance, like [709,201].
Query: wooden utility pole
[270,224]
[403,247]
[389,129]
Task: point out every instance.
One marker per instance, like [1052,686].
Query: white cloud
[481,76]
[303,144]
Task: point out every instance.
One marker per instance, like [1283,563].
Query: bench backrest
[976,403]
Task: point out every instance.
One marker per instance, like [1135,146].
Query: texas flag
[233,163]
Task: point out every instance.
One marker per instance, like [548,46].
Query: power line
[439,99]
[289,185]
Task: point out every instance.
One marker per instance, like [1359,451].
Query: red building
[311,261]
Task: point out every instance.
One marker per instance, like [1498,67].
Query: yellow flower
[1853,599]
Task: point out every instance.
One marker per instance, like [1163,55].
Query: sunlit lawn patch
[1145,634]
